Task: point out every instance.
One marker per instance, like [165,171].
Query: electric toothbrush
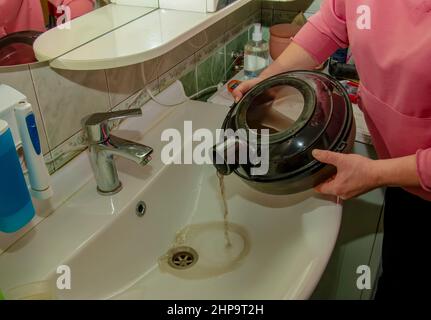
[37,171]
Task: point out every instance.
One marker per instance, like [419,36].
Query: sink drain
[182,257]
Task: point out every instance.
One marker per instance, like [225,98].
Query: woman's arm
[357,175]
[293,58]
[398,172]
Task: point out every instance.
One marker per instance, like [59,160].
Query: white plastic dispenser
[18,113]
[257,33]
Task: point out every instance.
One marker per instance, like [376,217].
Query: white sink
[281,244]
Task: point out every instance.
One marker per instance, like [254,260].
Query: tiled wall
[62,98]
[274,12]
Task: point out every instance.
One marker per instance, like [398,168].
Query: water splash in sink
[214,257]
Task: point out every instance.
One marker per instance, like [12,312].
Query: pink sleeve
[424,168]
[325,32]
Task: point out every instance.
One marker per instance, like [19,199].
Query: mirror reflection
[23,21]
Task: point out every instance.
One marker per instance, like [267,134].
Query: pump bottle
[256,53]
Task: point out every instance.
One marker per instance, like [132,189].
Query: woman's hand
[355,175]
[244,87]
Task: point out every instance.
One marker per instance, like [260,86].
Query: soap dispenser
[16,208]
[256,53]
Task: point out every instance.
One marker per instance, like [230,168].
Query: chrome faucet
[103,147]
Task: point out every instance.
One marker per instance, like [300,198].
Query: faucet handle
[96,119]
[96,125]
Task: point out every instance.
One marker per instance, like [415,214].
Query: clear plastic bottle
[256,53]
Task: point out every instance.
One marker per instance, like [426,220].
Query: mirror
[30,29]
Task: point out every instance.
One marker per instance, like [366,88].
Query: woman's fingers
[327,157]
[332,158]
[239,91]
[244,87]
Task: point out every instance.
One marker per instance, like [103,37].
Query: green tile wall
[211,71]
[189,82]
[214,64]
[275,12]
[235,45]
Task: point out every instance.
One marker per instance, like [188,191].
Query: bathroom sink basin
[289,240]
[163,234]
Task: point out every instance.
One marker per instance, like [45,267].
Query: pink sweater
[392,52]
[20,15]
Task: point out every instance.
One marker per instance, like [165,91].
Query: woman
[391,43]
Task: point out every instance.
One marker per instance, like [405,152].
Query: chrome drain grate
[182,257]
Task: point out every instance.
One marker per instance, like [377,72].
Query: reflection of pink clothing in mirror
[77,7]
[20,15]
